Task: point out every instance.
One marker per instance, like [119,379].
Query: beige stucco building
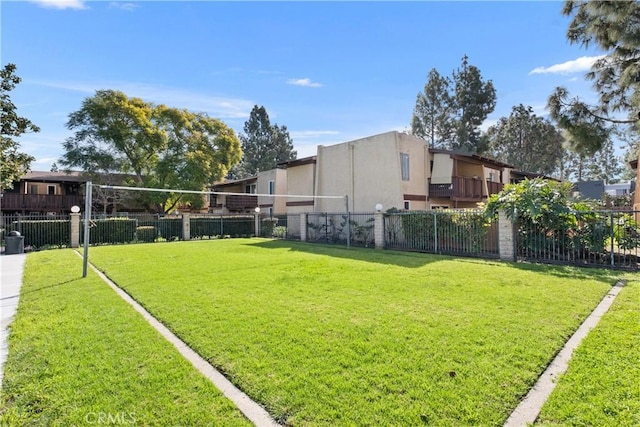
[389,169]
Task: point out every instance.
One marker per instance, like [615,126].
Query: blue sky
[329,71]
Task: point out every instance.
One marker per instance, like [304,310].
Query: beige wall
[279,176]
[368,171]
[42,187]
[442,168]
[301,181]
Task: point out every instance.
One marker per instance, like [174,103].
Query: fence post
[186,226]
[378,230]
[505,237]
[257,223]
[75,230]
[303,227]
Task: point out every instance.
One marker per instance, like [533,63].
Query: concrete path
[11,268]
[528,410]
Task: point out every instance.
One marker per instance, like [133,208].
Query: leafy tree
[432,115]
[604,164]
[450,110]
[264,145]
[13,164]
[526,141]
[158,146]
[615,28]
[475,99]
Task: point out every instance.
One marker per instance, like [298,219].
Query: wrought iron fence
[39,231]
[593,238]
[456,232]
[335,227]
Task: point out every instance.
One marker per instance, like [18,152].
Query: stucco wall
[279,176]
[368,171]
[301,181]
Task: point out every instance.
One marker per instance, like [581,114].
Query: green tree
[604,164]
[526,141]
[13,163]
[263,145]
[475,99]
[158,146]
[433,113]
[613,26]
[450,110]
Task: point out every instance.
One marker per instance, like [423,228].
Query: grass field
[602,384]
[79,355]
[329,336]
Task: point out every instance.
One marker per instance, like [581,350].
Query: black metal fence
[335,227]
[456,232]
[594,238]
[39,231]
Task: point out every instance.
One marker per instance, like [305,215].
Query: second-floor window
[251,188]
[272,187]
[404,166]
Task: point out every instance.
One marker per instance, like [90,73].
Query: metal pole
[346,200]
[87,220]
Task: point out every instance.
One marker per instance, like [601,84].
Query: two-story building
[44,193]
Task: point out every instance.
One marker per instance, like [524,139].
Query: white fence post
[506,237]
[303,227]
[75,230]
[186,226]
[378,230]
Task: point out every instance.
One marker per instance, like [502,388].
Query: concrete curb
[254,412]
[529,408]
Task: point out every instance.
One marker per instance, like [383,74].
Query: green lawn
[602,385]
[329,336]
[79,355]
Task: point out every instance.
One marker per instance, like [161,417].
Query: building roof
[233,182]
[298,162]
[474,157]
[41,176]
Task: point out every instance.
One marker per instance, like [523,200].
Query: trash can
[15,243]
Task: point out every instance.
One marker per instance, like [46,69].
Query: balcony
[463,189]
[39,202]
[240,203]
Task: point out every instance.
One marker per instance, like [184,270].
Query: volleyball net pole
[89,190]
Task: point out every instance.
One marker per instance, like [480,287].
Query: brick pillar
[75,230]
[303,227]
[506,237]
[378,230]
[186,226]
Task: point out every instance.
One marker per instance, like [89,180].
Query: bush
[146,233]
[205,227]
[170,228]
[41,234]
[111,231]
[267,226]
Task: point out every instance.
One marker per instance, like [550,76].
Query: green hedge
[170,228]
[206,227]
[42,234]
[146,233]
[110,231]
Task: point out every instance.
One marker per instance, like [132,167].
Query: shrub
[111,231]
[267,226]
[42,234]
[170,228]
[146,233]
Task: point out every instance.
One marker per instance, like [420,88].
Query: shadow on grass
[55,285]
[417,259]
[397,258]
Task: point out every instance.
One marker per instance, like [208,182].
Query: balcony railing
[239,203]
[463,188]
[39,202]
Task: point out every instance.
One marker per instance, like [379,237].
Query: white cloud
[216,106]
[578,65]
[61,4]
[129,7]
[303,82]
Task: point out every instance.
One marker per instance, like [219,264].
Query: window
[33,189]
[251,189]
[51,189]
[272,187]
[407,205]
[492,177]
[404,166]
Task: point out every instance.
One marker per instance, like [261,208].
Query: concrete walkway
[11,268]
